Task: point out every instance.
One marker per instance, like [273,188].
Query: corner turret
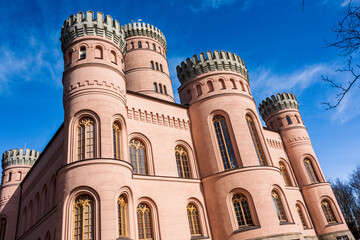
[19,157]
[146,66]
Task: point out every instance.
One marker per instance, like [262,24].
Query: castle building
[130,163]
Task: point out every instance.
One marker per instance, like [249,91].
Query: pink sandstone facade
[130,163]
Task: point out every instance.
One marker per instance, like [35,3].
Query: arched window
[9,176]
[278,206]
[2,228]
[222,83]
[242,210]
[139,44]
[157,66]
[247,86]
[122,210]
[285,174]
[297,119]
[132,45]
[82,54]
[256,140]
[182,162]
[233,83]
[47,237]
[138,156]
[147,45]
[328,212]
[98,52]
[193,218]
[19,176]
[188,93]
[210,86]
[116,139]
[86,138]
[224,142]
[301,216]
[310,171]
[84,218]
[152,65]
[113,57]
[165,91]
[144,221]
[161,68]
[69,57]
[160,88]
[155,87]
[198,89]
[154,47]
[242,86]
[288,119]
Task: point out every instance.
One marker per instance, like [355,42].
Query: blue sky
[282,47]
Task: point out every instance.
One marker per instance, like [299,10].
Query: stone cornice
[279,102]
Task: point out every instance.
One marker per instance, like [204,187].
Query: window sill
[198,237]
[246,228]
[332,224]
[124,238]
[286,223]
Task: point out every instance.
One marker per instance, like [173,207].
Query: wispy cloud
[205,5]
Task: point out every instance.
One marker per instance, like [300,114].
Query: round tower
[146,66]
[15,164]
[281,113]
[95,136]
[233,158]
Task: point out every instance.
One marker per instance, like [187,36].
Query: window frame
[117,141]
[182,174]
[283,204]
[310,173]
[254,133]
[3,227]
[331,206]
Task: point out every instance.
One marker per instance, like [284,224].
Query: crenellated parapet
[211,61]
[19,157]
[81,25]
[147,30]
[276,103]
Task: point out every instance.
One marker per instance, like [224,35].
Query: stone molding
[279,102]
[156,118]
[274,143]
[211,61]
[147,30]
[19,157]
[81,25]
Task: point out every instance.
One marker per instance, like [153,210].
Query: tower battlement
[145,29]
[211,61]
[19,157]
[276,103]
[81,25]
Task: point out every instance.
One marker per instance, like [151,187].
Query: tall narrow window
[69,57]
[160,88]
[242,86]
[224,142]
[113,57]
[210,86]
[198,89]
[86,139]
[285,174]
[278,206]
[193,218]
[297,119]
[139,44]
[233,83]
[288,119]
[328,212]
[132,45]
[144,221]
[165,91]
[2,228]
[84,218]
[157,66]
[222,84]
[155,87]
[82,54]
[188,93]
[10,176]
[154,47]
[161,68]
[122,210]
[116,138]
[182,162]
[138,156]
[98,52]
[310,171]
[242,210]
[256,140]
[301,216]
[152,65]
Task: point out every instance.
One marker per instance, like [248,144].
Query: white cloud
[210,4]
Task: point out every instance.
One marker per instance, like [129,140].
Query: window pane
[193,219]
[256,140]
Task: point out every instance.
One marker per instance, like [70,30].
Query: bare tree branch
[347,43]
